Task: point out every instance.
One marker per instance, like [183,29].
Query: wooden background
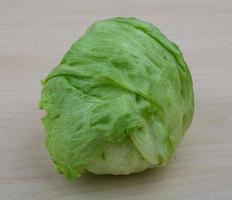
[34,35]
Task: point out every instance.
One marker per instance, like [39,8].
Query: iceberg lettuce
[119,102]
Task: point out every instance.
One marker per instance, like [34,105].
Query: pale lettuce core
[119,102]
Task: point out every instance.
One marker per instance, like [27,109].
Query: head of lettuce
[119,102]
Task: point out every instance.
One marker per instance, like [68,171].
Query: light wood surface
[34,35]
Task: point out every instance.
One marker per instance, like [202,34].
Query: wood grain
[33,37]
